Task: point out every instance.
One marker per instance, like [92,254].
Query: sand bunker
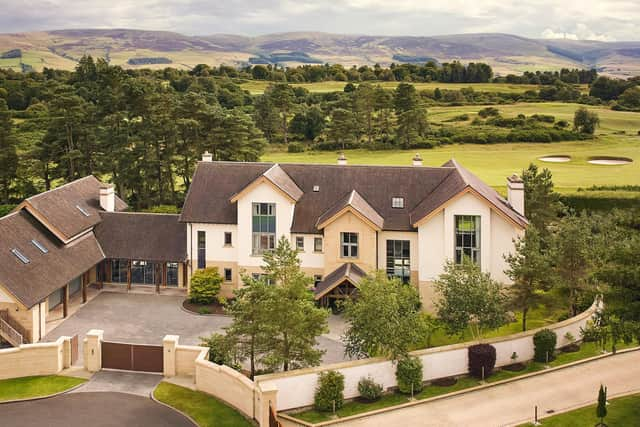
[556,158]
[608,160]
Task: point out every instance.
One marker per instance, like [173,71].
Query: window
[349,245]
[82,210]
[119,269]
[317,278]
[227,238]
[228,274]
[40,246]
[143,272]
[20,256]
[397,202]
[202,249]
[264,227]
[172,274]
[467,238]
[317,244]
[398,264]
[261,276]
[300,243]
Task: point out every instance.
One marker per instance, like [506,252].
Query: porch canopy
[339,284]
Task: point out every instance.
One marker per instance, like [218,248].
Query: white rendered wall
[263,193]
[216,249]
[308,257]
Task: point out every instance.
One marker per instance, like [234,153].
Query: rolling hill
[136,48]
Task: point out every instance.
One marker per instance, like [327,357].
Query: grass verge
[37,386]
[355,407]
[623,411]
[206,410]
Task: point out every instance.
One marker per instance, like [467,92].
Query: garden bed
[204,309]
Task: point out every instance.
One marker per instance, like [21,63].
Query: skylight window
[83,210]
[40,246]
[397,202]
[20,256]
[316,188]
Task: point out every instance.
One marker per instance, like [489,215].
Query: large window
[264,227]
[467,238]
[172,274]
[398,264]
[202,249]
[143,272]
[349,245]
[119,270]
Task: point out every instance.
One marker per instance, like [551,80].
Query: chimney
[207,156]
[342,160]
[515,193]
[107,198]
[417,160]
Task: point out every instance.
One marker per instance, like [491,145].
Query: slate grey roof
[31,283]
[142,236]
[424,189]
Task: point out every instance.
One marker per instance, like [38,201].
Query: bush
[204,310]
[205,285]
[489,112]
[481,356]
[408,374]
[222,350]
[330,391]
[591,333]
[544,343]
[295,147]
[369,389]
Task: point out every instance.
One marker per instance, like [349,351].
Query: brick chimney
[515,193]
[417,160]
[107,197]
[207,156]
[342,160]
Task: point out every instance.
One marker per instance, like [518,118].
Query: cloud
[579,19]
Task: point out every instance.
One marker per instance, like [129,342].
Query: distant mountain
[132,48]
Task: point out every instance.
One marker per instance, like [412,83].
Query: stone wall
[35,359]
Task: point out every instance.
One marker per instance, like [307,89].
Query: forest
[144,130]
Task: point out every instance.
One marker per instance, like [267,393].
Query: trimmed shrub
[369,389]
[408,374]
[205,285]
[481,356]
[329,391]
[489,112]
[544,343]
[295,147]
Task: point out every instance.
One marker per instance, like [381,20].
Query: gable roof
[352,201]
[60,209]
[348,271]
[461,180]
[31,283]
[143,236]
[424,189]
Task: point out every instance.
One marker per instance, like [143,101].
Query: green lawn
[354,407]
[206,410]
[494,162]
[623,411]
[256,87]
[29,387]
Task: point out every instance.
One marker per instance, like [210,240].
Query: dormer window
[397,202]
[82,210]
[20,256]
[40,246]
[316,188]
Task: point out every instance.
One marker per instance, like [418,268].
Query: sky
[606,20]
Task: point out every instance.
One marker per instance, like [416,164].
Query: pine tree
[601,409]
[8,153]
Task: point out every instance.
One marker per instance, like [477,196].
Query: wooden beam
[184,274]
[164,274]
[65,301]
[157,279]
[85,279]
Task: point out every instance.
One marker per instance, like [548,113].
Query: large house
[344,220]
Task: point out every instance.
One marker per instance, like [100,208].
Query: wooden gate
[74,349]
[273,418]
[132,357]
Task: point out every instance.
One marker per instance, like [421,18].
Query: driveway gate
[132,357]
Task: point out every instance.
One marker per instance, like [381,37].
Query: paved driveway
[147,318]
[513,403]
[91,409]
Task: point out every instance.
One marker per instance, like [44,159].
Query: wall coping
[37,345]
[433,350]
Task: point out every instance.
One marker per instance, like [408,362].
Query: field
[256,87]
[494,162]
